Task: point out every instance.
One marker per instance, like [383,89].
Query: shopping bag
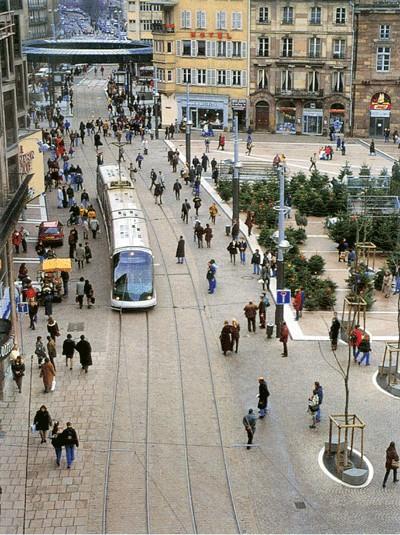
[53,385]
[33,428]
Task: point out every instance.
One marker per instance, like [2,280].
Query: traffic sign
[22,307]
[283,297]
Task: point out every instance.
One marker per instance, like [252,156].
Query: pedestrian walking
[387,284]
[88,253]
[72,241]
[233,250]
[226,337]
[94,226]
[221,142]
[213,211]
[265,277]
[263,394]
[185,211]
[235,230]
[177,189]
[392,463]
[208,235]
[18,371]
[89,293]
[262,310]
[69,438]
[364,348]
[242,246]
[80,256]
[313,162]
[153,179]
[207,145]
[355,340]
[235,333]
[320,393]
[297,303]
[249,422]
[57,442]
[249,222]
[42,422]
[211,272]
[372,148]
[256,261]
[342,249]
[48,374]
[65,280]
[51,350]
[204,162]
[199,232]
[397,280]
[313,405]
[250,311]
[68,350]
[139,160]
[158,191]
[80,291]
[85,353]
[283,337]
[16,240]
[33,308]
[197,203]
[180,250]
[334,332]
[52,328]
[40,350]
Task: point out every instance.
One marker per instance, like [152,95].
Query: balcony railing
[162,28]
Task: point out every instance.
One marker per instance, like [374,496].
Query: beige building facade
[203,47]
[142,16]
[301,66]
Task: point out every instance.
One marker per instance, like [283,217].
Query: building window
[340,17]
[315,15]
[221,20]
[169,76]
[201,48]
[384,31]
[9,113]
[287,15]
[169,47]
[263,15]
[262,79]
[339,48]
[338,82]
[187,76]
[221,49]
[201,76]
[286,80]
[201,20]
[263,47]
[313,82]
[186,48]
[186,19]
[314,45]
[287,47]
[236,77]
[383,58]
[236,49]
[221,77]
[236,20]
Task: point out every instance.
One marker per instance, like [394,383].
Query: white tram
[131,256]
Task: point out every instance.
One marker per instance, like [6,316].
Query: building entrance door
[262,115]
[377,126]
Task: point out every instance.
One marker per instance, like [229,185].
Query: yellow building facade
[203,46]
[142,16]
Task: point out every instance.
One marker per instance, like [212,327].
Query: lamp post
[236,171]
[283,247]
[188,127]
[156,95]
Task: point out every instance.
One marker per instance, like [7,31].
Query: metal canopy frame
[353,423]
[392,374]
[373,205]
[365,254]
[249,171]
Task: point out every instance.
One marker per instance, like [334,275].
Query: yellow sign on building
[31,161]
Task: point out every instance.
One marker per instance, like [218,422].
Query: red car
[51,233]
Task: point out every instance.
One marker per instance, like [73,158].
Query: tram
[131,256]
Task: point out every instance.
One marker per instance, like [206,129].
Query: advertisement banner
[31,161]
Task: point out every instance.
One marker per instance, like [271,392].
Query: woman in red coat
[284,335]
[298,304]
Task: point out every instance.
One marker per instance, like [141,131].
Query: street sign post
[283,297]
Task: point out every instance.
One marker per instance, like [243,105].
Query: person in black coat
[233,250]
[334,332]
[263,394]
[42,421]
[68,350]
[85,353]
[57,442]
[180,250]
[69,439]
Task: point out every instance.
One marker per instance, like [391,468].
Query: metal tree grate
[79,326]
[300,505]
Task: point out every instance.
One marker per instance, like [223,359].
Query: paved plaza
[159,415]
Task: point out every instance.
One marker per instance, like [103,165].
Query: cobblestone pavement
[267,481]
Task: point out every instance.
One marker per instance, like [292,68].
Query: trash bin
[270,329]
[228,230]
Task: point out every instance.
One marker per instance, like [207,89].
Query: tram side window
[133,276]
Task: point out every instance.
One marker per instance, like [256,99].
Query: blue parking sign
[22,307]
[283,297]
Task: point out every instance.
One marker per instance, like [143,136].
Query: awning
[57,264]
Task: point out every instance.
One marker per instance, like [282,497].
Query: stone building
[300,65]
[41,18]
[202,45]
[142,16]
[376,89]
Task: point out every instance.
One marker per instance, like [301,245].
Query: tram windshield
[133,276]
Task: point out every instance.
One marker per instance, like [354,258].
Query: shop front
[239,106]
[204,110]
[336,118]
[379,114]
[312,119]
[286,117]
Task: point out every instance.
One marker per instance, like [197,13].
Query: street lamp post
[236,171]
[156,95]
[283,247]
[188,127]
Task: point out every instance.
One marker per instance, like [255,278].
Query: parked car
[51,232]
